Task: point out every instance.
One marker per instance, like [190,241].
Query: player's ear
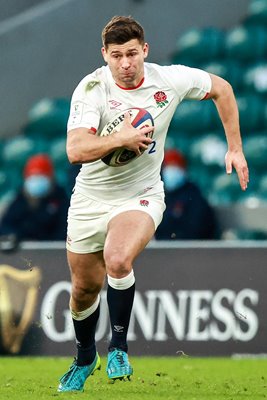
[103,51]
[146,50]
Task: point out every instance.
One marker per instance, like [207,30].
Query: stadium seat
[251,111]
[255,77]
[3,181]
[203,176]
[246,43]
[262,188]
[57,151]
[179,140]
[257,12]
[190,45]
[17,150]
[263,183]
[48,117]
[255,149]
[230,70]
[6,195]
[62,177]
[195,117]
[10,179]
[225,189]
[209,150]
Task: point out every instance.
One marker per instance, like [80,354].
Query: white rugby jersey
[97,99]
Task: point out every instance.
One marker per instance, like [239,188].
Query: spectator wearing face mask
[39,210]
[188,215]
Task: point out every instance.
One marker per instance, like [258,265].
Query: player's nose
[125,63]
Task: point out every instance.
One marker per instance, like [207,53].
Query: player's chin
[128,78]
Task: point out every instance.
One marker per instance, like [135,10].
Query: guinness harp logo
[18,300]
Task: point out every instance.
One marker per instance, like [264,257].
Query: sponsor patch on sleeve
[76,112]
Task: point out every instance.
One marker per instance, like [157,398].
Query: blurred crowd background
[48,46]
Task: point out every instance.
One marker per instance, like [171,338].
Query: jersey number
[152,149]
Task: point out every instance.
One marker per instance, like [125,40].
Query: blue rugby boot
[118,366]
[74,379]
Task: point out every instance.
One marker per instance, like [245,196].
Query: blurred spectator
[188,214]
[39,210]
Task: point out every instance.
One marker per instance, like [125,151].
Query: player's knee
[118,264]
[83,294]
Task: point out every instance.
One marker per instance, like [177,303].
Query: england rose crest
[161,99]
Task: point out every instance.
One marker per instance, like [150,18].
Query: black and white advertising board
[201,299]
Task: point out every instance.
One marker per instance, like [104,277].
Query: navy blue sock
[85,338]
[120,304]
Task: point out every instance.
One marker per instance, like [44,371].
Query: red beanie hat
[174,157]
[40,164]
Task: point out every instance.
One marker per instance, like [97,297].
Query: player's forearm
[223,96]
[83,146]
[229,115]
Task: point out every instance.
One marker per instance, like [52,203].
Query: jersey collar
[132,88]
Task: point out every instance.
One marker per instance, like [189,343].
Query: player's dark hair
[120,30]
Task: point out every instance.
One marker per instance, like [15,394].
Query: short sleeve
[189,83]
[86,103]
[200,82]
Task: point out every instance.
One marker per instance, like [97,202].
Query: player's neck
[121,86]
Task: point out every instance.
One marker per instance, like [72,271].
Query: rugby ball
[140,118]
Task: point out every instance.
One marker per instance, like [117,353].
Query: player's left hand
[237,160]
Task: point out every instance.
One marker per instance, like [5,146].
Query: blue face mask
[173,177]
[37,185]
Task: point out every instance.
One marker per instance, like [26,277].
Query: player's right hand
[132,138]
[237,160]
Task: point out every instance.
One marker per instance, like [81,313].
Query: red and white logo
[161,99]
[114,104]
[144,203]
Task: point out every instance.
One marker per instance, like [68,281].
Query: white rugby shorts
[88,219]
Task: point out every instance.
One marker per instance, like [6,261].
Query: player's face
[126,62]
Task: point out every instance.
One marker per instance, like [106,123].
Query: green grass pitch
[155,378]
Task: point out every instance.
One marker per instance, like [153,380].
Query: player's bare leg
[87,275]
[128,234]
